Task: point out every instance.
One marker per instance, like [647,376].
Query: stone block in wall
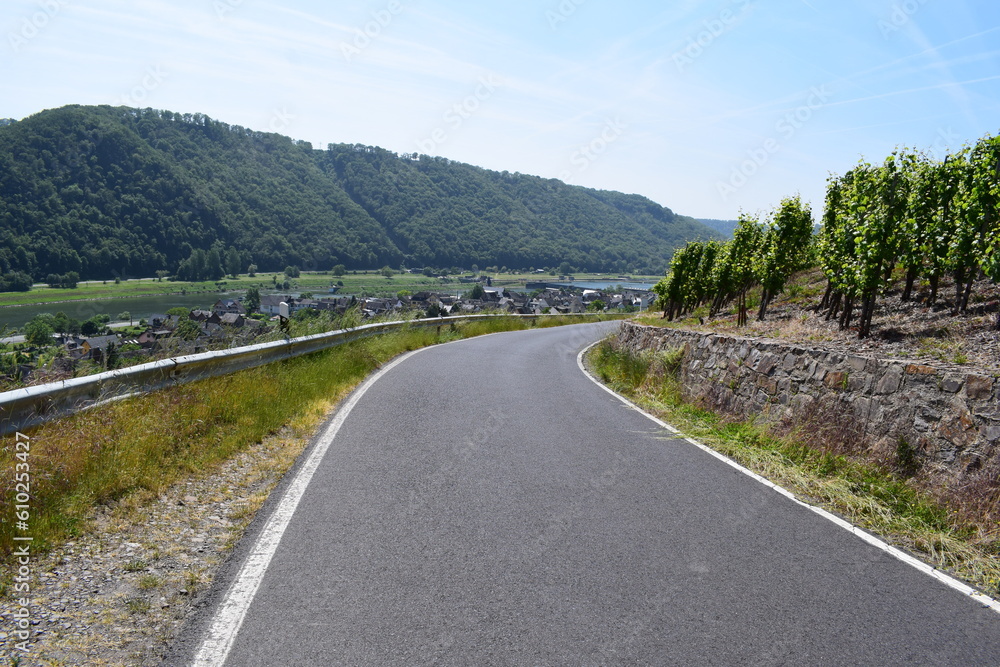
[767,364]
[859,383]
[890,381]
[835,380]
[952,384]
[861,407]
[923,422]
[958,427]
[801,402]
[789,362]
[932,411]
[991,433]
[767,384]
[978,387]
[856,364]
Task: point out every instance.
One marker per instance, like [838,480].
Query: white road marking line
[946,579]
[229,617]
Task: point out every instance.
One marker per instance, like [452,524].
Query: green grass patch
[866,493]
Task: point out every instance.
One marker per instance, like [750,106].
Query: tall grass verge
[869,495]
[144,444]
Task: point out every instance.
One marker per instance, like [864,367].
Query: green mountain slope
[108,191]
[724,227]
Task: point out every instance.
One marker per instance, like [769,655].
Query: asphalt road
[485,503]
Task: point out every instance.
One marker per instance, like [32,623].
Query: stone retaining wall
[948,417]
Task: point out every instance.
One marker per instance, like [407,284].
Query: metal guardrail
[31,406]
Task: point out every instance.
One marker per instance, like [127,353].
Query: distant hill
[723,227]
[108,191]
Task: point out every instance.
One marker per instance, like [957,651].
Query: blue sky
[705,107]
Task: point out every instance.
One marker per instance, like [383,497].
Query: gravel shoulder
[119,594]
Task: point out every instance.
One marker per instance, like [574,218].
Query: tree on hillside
[38,333]
[747,239]
[64,324]
[252,300]
[233,262]
[201,265]
[985,195]
[676,291]
[387,271]
[213,265]
[94,326]
[786,240]
[864,233]
[15,281]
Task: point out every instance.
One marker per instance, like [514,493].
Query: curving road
[485,503]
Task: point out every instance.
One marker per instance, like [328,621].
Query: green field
[362,283]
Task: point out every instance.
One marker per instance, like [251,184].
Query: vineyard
[929,219]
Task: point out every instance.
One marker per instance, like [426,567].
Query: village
[244,321]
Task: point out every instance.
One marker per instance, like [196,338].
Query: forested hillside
[724,227]
[108,191]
